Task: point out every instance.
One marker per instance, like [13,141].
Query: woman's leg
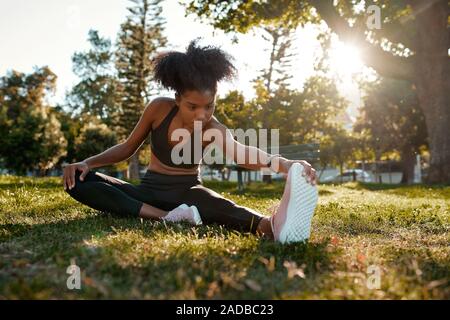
[105,193]
[214,208]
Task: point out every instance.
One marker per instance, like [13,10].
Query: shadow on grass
[424,266]
[57,234]
[174,273]
[231,271]
[259,272]
[323,192]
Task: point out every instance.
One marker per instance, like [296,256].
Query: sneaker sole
[301,206]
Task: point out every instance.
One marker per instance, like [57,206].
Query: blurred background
[365,82]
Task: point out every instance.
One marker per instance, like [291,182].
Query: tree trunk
[408,162]
[433,83]
[133,167]
[240,181]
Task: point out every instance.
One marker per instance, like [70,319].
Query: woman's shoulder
[162,103]
[161,107]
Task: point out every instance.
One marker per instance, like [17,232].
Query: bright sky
[48,32]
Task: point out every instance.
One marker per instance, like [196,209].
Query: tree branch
[372,55]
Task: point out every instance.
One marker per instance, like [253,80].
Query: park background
[368,81]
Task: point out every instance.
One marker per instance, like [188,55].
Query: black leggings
[166,192]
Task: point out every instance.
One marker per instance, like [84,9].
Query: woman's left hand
[309,173]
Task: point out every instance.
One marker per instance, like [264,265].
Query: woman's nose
[200,116]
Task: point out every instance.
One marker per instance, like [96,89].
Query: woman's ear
[177,98]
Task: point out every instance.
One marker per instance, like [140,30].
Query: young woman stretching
[173,191]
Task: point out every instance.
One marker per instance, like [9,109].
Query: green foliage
[70,126]
[241,16]
[139,38]
[410,32]
[337,149]
[277,73]
[392,115]
[301,116]
[234,112]
[97,92]
[31,137]
[94,138]
[393,122]
[238,16]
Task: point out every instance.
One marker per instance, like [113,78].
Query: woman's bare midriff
[158,166]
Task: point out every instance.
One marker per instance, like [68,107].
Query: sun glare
[345,59]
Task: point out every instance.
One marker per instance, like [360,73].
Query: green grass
[404,231]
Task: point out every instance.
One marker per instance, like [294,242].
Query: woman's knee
[214,208]
[78,183]
[210,203]
[90,176]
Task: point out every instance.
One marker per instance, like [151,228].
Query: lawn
[400,233]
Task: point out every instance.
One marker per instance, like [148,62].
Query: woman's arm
[248,157]
[126,149]
[117,153]
[253,158]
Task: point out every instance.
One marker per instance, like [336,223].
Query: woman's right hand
[69,173]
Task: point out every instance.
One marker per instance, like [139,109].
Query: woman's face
[196,106]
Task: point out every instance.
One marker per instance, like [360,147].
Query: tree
[70,126]
[411,45]
[276,74]
[97,92]
[234,112]
[272,92]
[363,150]
[31,137]
[94,138]
[336,149]
[140,36]
[392,115]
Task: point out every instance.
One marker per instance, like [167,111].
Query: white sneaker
[292,220]
[184,213]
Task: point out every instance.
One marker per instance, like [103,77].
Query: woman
[171,190]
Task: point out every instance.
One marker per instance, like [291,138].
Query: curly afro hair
[200,68]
